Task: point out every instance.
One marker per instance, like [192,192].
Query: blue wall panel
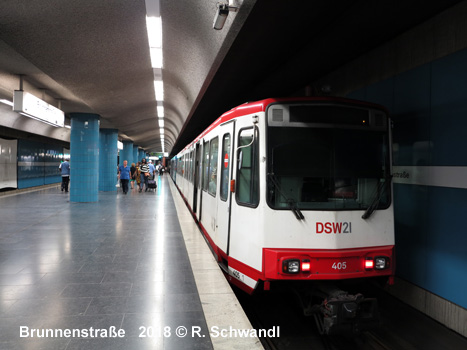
[411,214]
[449,110]
[447,244]
[38,163]
[411,113]
[429,107]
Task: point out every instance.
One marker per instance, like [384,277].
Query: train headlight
[291,266]
[381,263]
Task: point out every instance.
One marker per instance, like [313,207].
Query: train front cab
[280,190]
[325,215]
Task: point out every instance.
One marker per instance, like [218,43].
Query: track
[401,328]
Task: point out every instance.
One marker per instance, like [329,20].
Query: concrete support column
[127,152]
[142,155]
[135,155]
[108,154]
[84,157]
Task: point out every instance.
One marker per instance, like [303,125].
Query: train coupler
[342,313]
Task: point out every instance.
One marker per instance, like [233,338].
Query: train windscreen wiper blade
[293,206]
[290,202]
[375,202]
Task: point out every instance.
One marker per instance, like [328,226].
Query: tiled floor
[119,262]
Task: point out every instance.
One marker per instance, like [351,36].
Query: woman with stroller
[144,169]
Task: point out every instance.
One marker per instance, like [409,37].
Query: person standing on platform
[152,170]
[65,169]
[124,173]
[138,175]
[132,175]
[144,169]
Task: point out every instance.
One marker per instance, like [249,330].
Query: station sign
[33,107]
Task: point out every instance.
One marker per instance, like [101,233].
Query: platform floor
[134,262]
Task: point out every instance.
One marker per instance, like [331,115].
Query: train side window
[184,165]
[192,166]
[187,165]
[199,179]
[180,170]
[190,177]
[205,165]
[225,166]
[212,187]
[247,189]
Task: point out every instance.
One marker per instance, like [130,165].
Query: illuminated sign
[33,107]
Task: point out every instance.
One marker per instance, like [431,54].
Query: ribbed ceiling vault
[93,56]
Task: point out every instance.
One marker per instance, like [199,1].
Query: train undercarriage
[336,311]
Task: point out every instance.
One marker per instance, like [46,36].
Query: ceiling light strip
[154,29]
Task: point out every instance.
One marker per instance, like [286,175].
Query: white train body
[279,188]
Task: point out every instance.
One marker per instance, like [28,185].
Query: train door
[173,170]
[204,161]
[196,177]
[226,137]
[245,221]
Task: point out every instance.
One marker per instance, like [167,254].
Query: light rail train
[296,192]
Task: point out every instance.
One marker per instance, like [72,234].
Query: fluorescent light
[40,120]
[9,103]
[160,111]
[156,57]
[159,89]
[154,27]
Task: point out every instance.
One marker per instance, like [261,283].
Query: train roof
[261,105]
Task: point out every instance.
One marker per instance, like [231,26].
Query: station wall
[38,163]
[8,168]
[429,107]
[27,163]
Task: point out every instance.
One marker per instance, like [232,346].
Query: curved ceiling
[93,56]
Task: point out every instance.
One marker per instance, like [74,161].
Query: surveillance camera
[222,12]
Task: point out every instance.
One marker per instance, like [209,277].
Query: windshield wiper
[293,206]
[290,201]
[375,202]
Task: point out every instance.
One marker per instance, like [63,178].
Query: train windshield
[328,162]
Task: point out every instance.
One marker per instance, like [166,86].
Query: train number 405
[339,265]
